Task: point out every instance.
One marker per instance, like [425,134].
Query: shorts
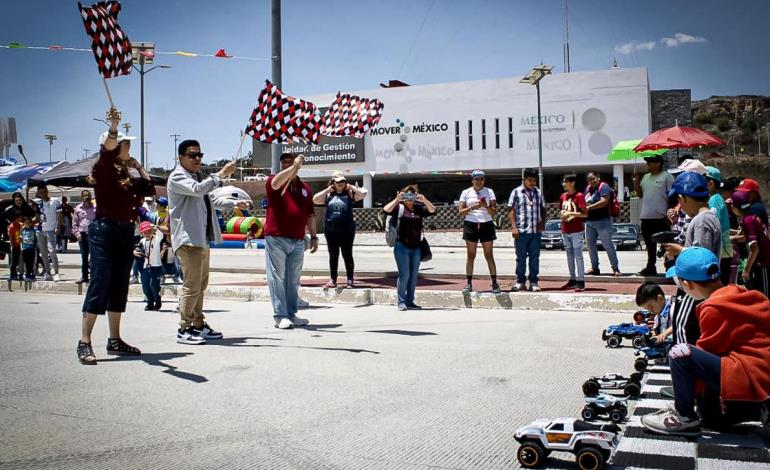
[479,231]
[111,245]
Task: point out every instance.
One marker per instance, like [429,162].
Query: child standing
[149,249]
[14,233]
[28,245]
[756,273]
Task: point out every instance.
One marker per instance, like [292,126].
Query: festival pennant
[282,118]
[111,47]
[351,115]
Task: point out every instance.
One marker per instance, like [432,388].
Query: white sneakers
[56,278]
[287,323]
[189,336]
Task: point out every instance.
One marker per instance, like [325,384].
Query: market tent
[75,175]
[13,177]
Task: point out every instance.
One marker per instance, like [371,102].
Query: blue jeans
[573,245]
[601,229]
[689,363]
[408,263]
[283,259]
[151,283]
[528,246]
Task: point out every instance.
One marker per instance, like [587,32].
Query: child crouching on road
[650,296]
[731,360]
[150,248]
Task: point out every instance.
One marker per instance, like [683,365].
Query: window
[510,132]
[557,427]
[457,136]
[497,133]
[483,134]
[470,134]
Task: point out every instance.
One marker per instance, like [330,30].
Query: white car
[257,177]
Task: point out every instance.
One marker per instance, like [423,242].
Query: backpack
[392,225]
[613,203]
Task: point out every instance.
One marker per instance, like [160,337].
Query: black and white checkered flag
[351,115]
[112,49]
[281,118]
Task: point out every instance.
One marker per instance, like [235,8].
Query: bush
[703,118]
[723,123]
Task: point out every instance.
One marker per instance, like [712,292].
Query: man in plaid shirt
[526,211]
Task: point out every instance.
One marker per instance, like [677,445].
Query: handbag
[425,253]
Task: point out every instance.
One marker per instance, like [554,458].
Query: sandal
[118,347]
[330,285]
[86,354]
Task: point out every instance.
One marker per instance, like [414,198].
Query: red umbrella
[678,137]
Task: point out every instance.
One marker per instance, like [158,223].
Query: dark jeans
[528,246]
[84,252]
[688,364]
[151,283]
[28,257]
[340,242]
[649,228]
[111,245]
[15,257]
[408,264]
[759,280]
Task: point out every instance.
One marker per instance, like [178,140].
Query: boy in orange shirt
[14,233]
[732,356]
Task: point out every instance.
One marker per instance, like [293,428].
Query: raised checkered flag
[351,115]
[281,118]
[112,49]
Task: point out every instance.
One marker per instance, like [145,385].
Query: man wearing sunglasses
[193,225]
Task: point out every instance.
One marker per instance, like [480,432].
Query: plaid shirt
[682,221]
[528,206]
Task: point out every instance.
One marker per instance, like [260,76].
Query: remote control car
[650,352]
[644,317]
[592,444]
[614,334]
[631,386]
[616,408]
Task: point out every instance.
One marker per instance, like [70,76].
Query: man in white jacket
[193,226]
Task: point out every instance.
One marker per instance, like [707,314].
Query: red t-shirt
[287,215]
[756,231]
[573,203]
[14,232]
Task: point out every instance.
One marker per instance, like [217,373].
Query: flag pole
[240,146]
[294,173]
[107,89]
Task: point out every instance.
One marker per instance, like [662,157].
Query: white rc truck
[592,444]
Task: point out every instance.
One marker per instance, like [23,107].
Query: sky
[710,46]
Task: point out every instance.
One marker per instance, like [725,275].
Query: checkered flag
[112,49]
[351,115]
[281,118]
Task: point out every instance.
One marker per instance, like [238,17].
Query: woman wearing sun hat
[478,205]
[339,226]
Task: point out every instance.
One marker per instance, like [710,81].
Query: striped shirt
[528,206]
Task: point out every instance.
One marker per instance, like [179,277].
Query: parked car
[257,177]
[552,238]
[625,236]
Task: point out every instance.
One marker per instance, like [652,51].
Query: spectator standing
[150,248]
[653,190]
[339,225]
[110,238]
[14,238]
[161,220]
[478,205]
[718,206]
[290,212]
[65,231]
[28,246]
[409,208]
[84,214]
[599,197]
[757,207]
[756,273]
[527,212]
[51,221]
[573,213]
[193,227]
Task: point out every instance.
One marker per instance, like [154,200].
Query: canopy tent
[76,174]
[624,150]
[13,177]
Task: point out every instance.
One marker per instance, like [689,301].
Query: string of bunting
[221,53]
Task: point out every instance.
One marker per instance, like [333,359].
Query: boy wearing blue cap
[718,206]
[730,364]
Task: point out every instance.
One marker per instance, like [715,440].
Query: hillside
[739,120]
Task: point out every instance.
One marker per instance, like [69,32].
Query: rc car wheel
[589,458]
[617,416]
[588,413]
[614,341]
[591,388]
[530,454]
[632,389]
[638,341]
[640,364]
[636,377]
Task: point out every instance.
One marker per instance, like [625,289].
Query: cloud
[634,46]
[681,38]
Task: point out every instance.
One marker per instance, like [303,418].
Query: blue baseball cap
[163,201]
[695,264]
[713,173]
[690,184]
[477,174]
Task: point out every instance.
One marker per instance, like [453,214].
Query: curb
[433,299]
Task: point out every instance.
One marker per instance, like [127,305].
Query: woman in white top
[478,204]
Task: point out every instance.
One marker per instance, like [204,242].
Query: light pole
[85,153]
[50,138]
[173,154]
[145,52]
[146,152]
[126,126]
[538,73]
[275,22]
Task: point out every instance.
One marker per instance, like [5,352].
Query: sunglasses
[194,155]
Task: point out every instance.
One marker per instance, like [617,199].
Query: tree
[723,123]
[703,118]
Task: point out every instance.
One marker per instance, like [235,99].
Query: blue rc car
[650,352]
[614,334]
